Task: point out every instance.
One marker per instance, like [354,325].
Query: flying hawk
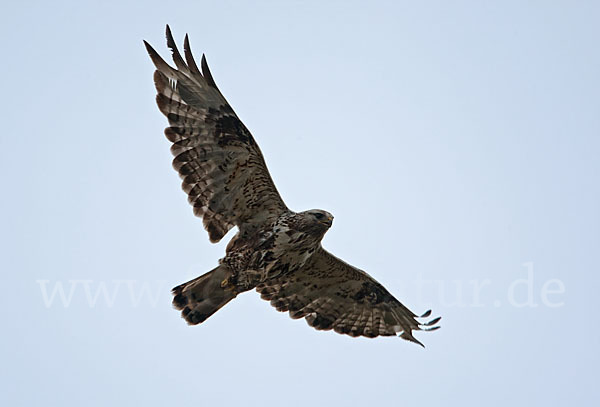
[276,251]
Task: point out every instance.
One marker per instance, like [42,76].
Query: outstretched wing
[223,170]
[332,294]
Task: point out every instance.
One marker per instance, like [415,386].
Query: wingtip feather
[432,322]
[187,51]
[206,72]
[407,335]
[179,62]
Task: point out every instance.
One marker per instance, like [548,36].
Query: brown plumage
[277,251]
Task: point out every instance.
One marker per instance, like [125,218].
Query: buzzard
[276,251]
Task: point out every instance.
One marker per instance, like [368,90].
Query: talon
[228,285]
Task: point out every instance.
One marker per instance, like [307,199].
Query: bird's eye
[319,216]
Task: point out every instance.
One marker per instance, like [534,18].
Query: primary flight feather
[276,251]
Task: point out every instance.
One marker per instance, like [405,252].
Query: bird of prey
[276,251]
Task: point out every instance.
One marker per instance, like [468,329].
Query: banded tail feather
[201,297]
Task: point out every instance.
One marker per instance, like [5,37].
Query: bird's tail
[201,297]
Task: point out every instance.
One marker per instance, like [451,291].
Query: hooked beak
[328,221]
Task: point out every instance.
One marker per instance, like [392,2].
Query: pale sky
[456,142]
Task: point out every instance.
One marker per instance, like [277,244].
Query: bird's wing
[223,170]
[332,294]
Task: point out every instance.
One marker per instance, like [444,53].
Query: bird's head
[315,222]
[320,217]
